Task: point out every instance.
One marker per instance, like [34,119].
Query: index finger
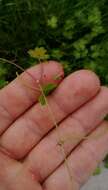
[16,98]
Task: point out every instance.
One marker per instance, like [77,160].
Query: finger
[19,95]
[26,132]
[8,167]
[12,176]
[47,155]
[82,162]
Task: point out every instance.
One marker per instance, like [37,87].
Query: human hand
[31,155]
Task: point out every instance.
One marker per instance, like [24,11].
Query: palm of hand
[31,155]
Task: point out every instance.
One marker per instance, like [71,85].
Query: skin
[30,151]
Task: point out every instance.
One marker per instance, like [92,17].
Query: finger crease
[7,153]
[84,127]
[60,106]
[6,112]
[34,127]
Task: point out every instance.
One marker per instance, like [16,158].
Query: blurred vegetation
[74,32]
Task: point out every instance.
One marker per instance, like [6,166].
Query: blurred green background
[74,32]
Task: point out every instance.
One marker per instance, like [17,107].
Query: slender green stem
[18,66]
[24,83]
[23,70]
[59,136]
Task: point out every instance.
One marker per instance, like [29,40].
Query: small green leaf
[52,22]
[47,89]
[97,171]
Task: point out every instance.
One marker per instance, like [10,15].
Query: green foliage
[3,72]
[97,171]
[72,32]
[106,162]
[47,89]
[52,22]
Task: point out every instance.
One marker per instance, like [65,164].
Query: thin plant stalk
[23,70]
[59,137]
